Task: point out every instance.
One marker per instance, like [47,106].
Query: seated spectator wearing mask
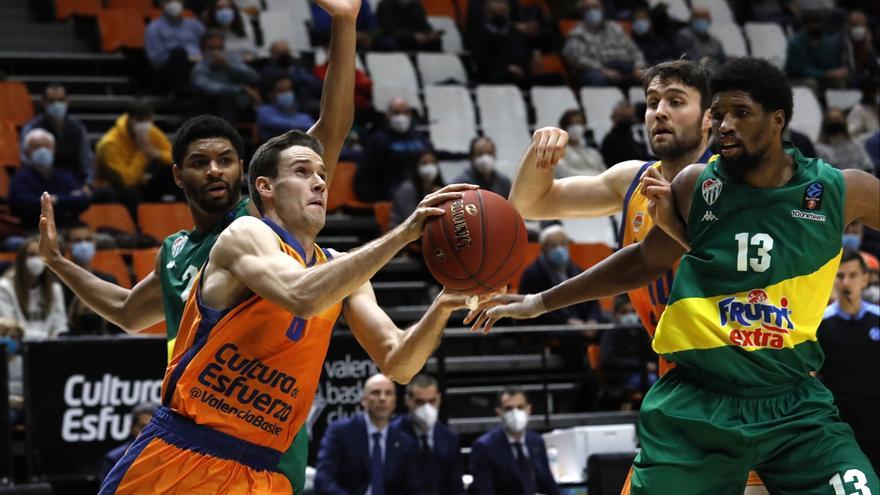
[426,180]
[813,58]
[282,113]
[656,48]
[837,148]
[695,40]
[226,86]
[863,119]
[69,196]
[860,56]
[306,86]
[627,138]
[171,43]
[626,357]
[850,339]
[440,463]
[225,17]
[80,318]
[403,26]
[499,50]
[11,334]
[30,295]
[73,152]
[391,156]
[482,171]
[581,156]
[510,459]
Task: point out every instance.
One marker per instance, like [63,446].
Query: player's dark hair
[852,254]
[422,381]
[570,114]
[265,160]
[203,127]
[762,80]
[140,109]
[688,72]
[511,390]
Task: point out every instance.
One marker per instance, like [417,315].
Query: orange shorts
[754,480]
[175,455]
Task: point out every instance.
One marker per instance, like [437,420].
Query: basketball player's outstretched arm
[538,196]
[862,198]
[131,310]
[337,96]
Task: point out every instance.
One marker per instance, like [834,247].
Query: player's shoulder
[689,175]
[244,231]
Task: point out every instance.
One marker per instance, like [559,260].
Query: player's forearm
[414,346]
[530,186]
[101,296]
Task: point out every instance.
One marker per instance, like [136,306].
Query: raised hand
[661,205]
[549,144]
[429,207]
[48,246]
[341,8]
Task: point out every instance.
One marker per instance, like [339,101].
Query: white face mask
[871,294]
[576,133]
[484,163]
[515,420]
[141,128]
[35,266]
[857,33]
[425,416]
[400,122]
[428,171]
[174,9]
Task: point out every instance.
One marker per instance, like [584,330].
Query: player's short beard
[738,167]
[682,144]
[193,194]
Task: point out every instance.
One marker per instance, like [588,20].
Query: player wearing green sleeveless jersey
[763,224]
[208,167]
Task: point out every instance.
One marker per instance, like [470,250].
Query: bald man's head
[379,399]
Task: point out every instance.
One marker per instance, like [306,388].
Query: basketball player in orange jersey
[677,118]
[255,332]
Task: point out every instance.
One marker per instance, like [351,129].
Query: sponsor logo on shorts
[756,321]
[711,190]
[808,215]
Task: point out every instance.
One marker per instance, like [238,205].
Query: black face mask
[284,60]
[815,31]
[834,128]
[498,21]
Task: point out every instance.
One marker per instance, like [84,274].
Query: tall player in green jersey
[208,166]
[764,227]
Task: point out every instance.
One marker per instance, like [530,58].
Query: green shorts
[294,460]
[699,438]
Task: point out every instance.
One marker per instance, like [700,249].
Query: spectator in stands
[510,458]
[836,147]
[140,418]
[872,147]
[581,156]
[81,320]
[134,157]
[426,180]
[11,334]
[695,40]
[850,338]
[226,85]
[439,459]
[599,53]
[30,295]
[403,26]
[859,54]
[500,51]
[306,86]
[171,43]
[655,47]
[320,26]
[863,119]
[482,170]
[38,175]
[365,453]
[73,152]
[225,17]
[627,358]
[537,25]
[626,139]
[800,140]
[392,154]
[282,114]
[813,56]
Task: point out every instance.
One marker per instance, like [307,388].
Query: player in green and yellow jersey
[208,166]
[764,225]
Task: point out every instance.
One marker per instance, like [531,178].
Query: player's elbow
[398,374]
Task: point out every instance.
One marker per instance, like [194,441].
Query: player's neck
[305,239]
[775,170]
[205,221]
[672,165]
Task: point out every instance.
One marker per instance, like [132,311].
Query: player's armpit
[862,198]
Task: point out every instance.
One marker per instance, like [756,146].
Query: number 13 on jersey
[763,244]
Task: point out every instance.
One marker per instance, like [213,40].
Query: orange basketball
[478,245]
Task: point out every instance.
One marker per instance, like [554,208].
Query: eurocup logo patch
[638,221]
[177,247]
[813,196]
[711,190]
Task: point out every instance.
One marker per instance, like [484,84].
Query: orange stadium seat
[552,63]
[462,7]
[15,102]
[341,191]
[86,8]
[587,255]
[7,257]
[439,7]
[121,28]
[4,183]
[566,25]
[110,261]
[382,213]
[143,7]
[143,261]
[110,215]
[533,249]
[163,219]
[8,144]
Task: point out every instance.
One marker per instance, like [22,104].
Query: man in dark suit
[439,455]
[510,459]
[363,455]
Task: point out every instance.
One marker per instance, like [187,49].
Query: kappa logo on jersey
[813,196]
[177,247]
[757,321]
[709,216]
[638,221]
[711,190]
